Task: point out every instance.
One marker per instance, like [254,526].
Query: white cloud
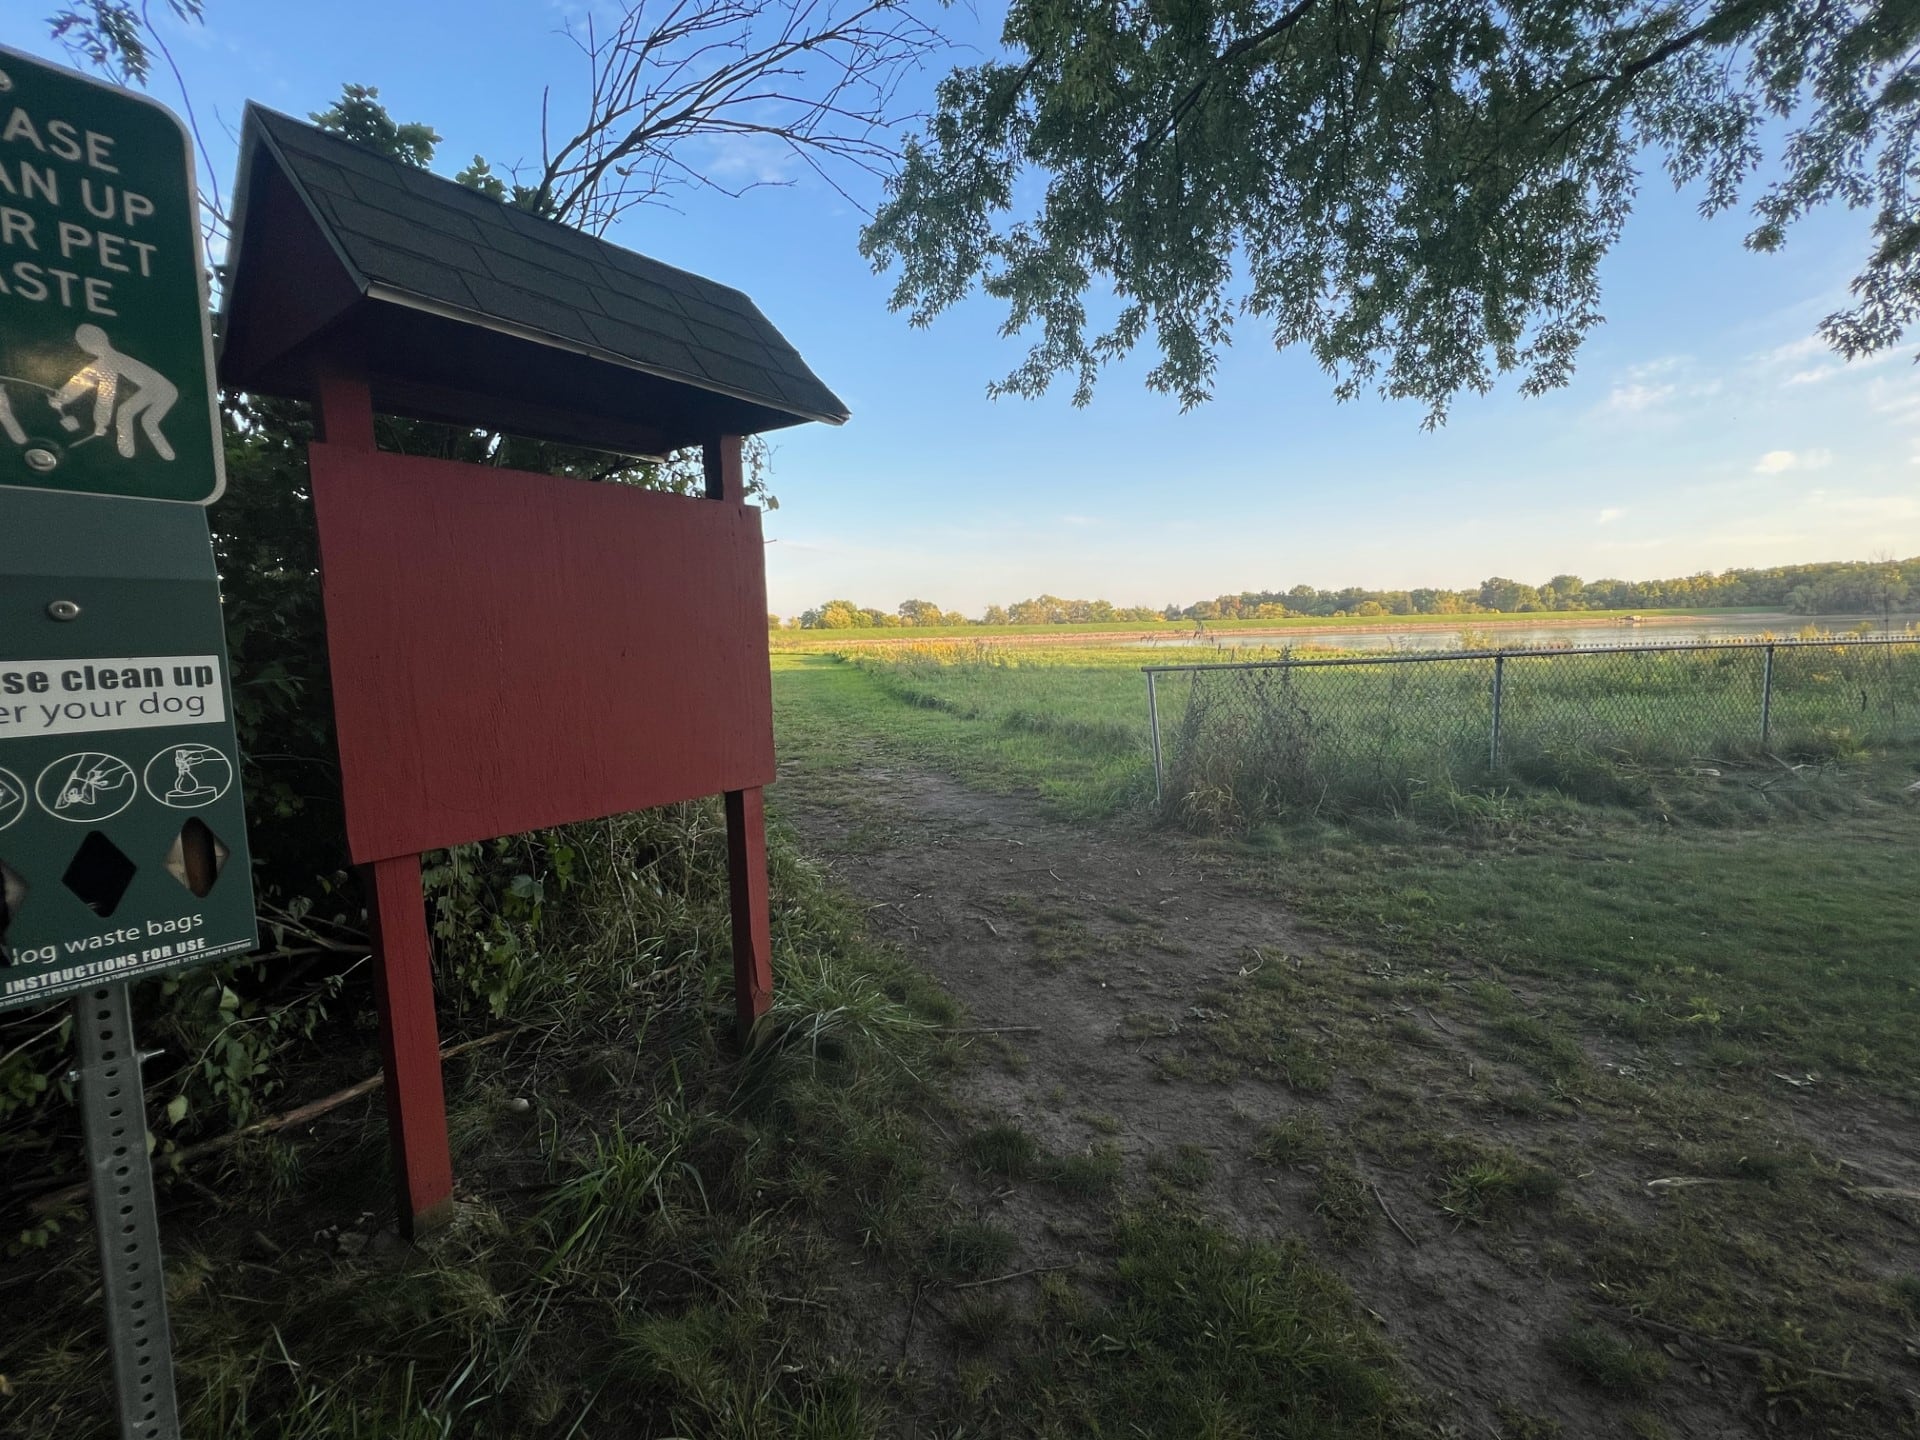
[1650,388]
[1826,362]
[1634,398]
[1778,462]
[1611,514]
[737,160]
[1899,403]
[1793,351]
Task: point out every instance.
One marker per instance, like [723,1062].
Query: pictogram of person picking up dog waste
[127,393]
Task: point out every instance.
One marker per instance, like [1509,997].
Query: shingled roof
[447,297]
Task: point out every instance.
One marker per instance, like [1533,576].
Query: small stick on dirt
[1682,1182]
[1391,1218]
[1002,1279]
[991,926]
[1746,1352]
[906,1335]
[1436,1020]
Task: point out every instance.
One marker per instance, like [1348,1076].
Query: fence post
[1153,728]
[1766,697]
[1499,683]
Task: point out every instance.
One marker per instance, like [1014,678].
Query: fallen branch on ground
[1730,1347]
[1392,1219]
[66,1195]
[1002,1279]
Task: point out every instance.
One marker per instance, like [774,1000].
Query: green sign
[106,363]
[123,847]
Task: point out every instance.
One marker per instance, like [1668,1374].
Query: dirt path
[1099,954]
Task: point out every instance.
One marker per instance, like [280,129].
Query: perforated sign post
[122,829]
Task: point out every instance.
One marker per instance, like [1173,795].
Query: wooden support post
[402,953]
[726,474]
[342,407]
[410,1044]
[752,930]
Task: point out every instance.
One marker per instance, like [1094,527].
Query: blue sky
[1706,428]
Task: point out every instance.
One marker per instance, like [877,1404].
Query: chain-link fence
[1241,741]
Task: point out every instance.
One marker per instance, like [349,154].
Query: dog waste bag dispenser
[122,833]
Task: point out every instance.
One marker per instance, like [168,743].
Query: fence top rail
[1422,657]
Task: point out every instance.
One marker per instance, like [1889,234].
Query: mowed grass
[1791,946]
[1052,729]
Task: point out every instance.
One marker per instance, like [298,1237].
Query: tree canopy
[1420,193]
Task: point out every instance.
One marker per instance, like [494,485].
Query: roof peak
[407,237]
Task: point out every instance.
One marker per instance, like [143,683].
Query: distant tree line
[1041,610]
[1837,587]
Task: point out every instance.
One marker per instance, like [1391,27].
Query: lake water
[1498,632]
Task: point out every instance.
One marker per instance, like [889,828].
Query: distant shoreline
[1304,627]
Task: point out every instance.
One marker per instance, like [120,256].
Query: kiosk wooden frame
[508,650]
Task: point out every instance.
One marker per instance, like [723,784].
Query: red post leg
[342,406]
[410,1045]
[721,458]
[752,932]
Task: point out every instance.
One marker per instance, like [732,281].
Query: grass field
[1243,746]
[1683,1014]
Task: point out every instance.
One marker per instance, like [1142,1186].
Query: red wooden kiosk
[508,650]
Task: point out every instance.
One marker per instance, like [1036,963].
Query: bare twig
[1002,1279]
[913,1309]
[59,1199]
[1392,1219]
[1746,1352]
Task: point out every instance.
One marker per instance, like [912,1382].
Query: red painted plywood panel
[511,651]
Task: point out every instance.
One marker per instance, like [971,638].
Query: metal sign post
[134,1289]
[122,829]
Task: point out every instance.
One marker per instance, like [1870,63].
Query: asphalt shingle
[422,234]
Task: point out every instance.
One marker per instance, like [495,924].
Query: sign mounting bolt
[42,459]
[63,610]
